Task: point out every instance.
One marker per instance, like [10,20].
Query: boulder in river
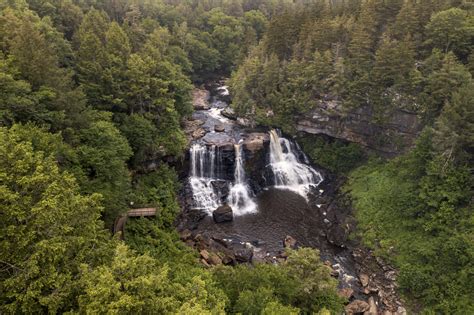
[219,128]
[223,214]
[356,307]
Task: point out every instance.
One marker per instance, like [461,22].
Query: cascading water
[239,196]
[203,172]
[289,172]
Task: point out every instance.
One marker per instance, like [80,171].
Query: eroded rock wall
[393,136]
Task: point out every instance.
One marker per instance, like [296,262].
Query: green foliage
[303,283]
[416,210]
[377,55]
[158,189]
[335,155]
[103,154]
[139,284]
[48,228]
[451,30]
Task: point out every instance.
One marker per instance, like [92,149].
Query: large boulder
[223,214]
[357,307]
[219,128]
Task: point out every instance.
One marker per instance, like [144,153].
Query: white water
[201,179]
[239,195]
[289,172]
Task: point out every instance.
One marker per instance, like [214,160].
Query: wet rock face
[392,137]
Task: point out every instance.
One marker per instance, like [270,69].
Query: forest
[94,96]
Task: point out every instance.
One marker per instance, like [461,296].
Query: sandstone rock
[204,254]
[387,312]
[255,141]
[372,307]
[223,214]
[198,133]
[346,293]
[357,125]
[356,307]
[214,259]
[289,242]
[364,279]
[200,99]
[219,128]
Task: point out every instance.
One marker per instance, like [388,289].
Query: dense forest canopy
[94,92]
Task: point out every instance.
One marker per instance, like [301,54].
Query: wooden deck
[119,225]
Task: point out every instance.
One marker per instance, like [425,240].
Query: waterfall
[239,195]
[203,173]
[289,172]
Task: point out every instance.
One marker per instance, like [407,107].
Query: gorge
[278,199]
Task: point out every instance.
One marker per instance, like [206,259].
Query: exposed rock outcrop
[390,137]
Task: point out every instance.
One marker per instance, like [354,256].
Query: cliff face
[391,137]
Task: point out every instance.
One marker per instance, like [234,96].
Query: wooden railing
[119,225]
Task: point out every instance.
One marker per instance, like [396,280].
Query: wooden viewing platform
[119,225]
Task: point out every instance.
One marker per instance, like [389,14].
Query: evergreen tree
[48,228]
[442,83]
